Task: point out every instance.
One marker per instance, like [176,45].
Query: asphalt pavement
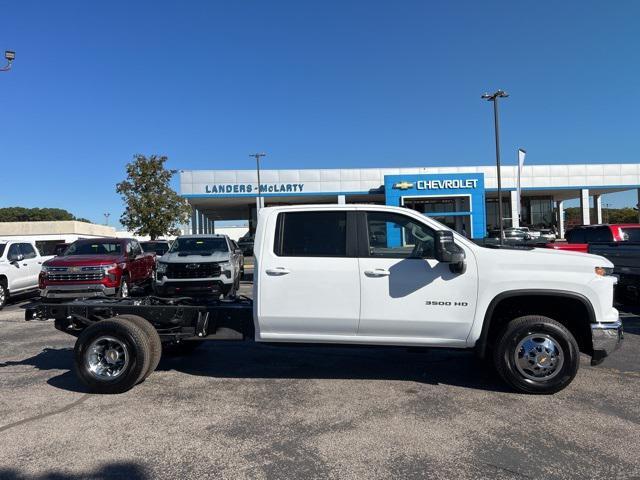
[243,410]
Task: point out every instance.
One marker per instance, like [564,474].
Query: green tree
[22,214]
[152,207]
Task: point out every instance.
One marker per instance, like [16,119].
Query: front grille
[58,277]
[193,270]
[74,274]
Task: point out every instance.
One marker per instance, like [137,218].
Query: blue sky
[313,83]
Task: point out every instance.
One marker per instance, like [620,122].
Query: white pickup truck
[20,265]
[377,275]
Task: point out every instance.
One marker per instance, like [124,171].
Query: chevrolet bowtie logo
[403,185]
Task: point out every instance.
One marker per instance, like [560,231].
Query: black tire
[543,333]
[124,283]
[137,347]
[4,294]
[155,344]
[186,347]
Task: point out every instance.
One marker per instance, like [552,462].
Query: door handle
[378,272]
[278,271]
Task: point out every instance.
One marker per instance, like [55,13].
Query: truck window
[576,235]
[628,234]
[27,250]
[96,247]
[311,234]
[13,252]
[599,234]
[395,236]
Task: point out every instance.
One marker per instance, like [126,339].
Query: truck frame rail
[175,319]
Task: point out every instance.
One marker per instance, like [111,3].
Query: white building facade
[463,197]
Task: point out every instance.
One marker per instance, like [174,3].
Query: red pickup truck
[97,267]
[579,238]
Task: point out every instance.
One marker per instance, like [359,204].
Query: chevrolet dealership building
[464,198]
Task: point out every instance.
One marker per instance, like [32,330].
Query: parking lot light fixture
[9,56]
[494,98]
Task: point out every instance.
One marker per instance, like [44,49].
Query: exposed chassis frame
[175,319]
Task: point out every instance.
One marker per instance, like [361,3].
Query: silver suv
[199,265]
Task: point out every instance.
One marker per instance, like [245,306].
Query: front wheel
[123,290]
[4,295]
[536,354]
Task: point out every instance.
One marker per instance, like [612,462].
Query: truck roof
[203,235]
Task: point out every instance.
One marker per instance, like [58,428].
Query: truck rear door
[405,292]
[309,285]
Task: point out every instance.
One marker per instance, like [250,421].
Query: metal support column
[597,203]
[561,219]
[584,206]
[194,221]
[515,221]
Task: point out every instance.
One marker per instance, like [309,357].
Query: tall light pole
[258,156]
[494,98]
[106,218]
[9,56]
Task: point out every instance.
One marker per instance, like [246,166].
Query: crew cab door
[19,278]
[139,266]
[405,292]
[309,285]
[33,263]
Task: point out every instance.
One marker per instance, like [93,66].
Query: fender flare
[481,343]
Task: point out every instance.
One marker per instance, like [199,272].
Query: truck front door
[309,285]
[405,292]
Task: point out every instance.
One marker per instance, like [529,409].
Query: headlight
[45,269]
[603,271]
[225,266]
[161,268]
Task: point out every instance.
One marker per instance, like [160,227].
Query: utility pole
[258,156]
[106,218]
[494,98]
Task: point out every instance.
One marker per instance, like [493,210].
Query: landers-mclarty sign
[437,184]
[248,188]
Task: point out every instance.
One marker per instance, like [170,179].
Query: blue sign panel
[400,188]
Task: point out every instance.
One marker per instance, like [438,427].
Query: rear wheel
[155,345]
[536,354]
[111,356]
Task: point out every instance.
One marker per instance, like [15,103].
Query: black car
[246,244]
[159,247]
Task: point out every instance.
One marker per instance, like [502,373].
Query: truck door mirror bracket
[446,251]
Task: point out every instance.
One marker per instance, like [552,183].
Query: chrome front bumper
[606,338]
[76,291]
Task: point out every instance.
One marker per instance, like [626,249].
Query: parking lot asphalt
[243,410]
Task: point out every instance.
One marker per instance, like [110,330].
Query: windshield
[95,248]
[199,246]
[159,248]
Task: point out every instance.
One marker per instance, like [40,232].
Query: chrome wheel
[124,289]
[3,295]
[106,358]
[538,356]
